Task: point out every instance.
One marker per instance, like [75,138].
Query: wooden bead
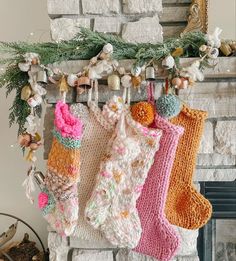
[24,140]
[33,146]
[136,81]
[176,82]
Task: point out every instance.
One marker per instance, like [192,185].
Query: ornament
[184,83]
[63,85]
[93,60]
[126,81]
[203,48]
[113,82]
[24,139]
[213,39]
[24,67]
[143,112]
[213,53]
[26,92]
[136,70]
[193,72]
[84,82]
[168,106]
[150,73]
[121,70]
[136,81]
[34,146]
[41,77]
[35,100]
[168,62]
[176,82]
[115,64]
[225,49]
[107,48]
[72,80]
[178,52]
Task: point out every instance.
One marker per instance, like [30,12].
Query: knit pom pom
[42,200]
[168,106]
[46,202]
[143,112]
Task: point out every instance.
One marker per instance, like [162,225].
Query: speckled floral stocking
[112,206]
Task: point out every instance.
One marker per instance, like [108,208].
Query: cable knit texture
[63,171]
[185,207]
[112,206]
[98,130]
[159,239]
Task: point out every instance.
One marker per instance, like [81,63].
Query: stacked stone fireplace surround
[216,94]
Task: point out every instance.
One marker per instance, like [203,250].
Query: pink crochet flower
[68,125]
[42,200]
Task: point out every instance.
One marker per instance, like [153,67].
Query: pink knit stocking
[158,238]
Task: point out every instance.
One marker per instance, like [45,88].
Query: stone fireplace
[216,94]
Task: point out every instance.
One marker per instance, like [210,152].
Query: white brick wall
[116,16]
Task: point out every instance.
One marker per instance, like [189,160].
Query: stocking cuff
[193,113]
[167,126]
[65,123]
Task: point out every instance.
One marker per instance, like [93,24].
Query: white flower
[213,39]
[24,67]
[193,72]
[108,48]
[30,56]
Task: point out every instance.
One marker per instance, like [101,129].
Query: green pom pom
[168,106]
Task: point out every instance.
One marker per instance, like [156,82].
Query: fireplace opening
[217,239]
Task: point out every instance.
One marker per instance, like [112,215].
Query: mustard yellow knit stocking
[185,207]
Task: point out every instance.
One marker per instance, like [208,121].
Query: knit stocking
[63,172]
[185,206]
[158,238]
[112,206]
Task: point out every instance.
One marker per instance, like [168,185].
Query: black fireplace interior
[222,196]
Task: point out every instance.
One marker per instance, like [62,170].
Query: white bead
[168,62]
[126,81]
[72,79]
[107,48]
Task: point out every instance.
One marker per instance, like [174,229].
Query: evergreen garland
[84,46]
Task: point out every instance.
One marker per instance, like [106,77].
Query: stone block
[100,7]
[226,137]
[142,6]
[145,30]
[215,174]
[206,145]
[67,28]
[215,159]
[58,7]
[107,25]
[92,255]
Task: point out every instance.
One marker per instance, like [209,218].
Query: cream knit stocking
[112,206]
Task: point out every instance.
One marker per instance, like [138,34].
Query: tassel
[28,184]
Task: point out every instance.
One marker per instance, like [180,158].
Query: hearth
[217,239]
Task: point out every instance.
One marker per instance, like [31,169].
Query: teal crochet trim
[51,203]
[67,142]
